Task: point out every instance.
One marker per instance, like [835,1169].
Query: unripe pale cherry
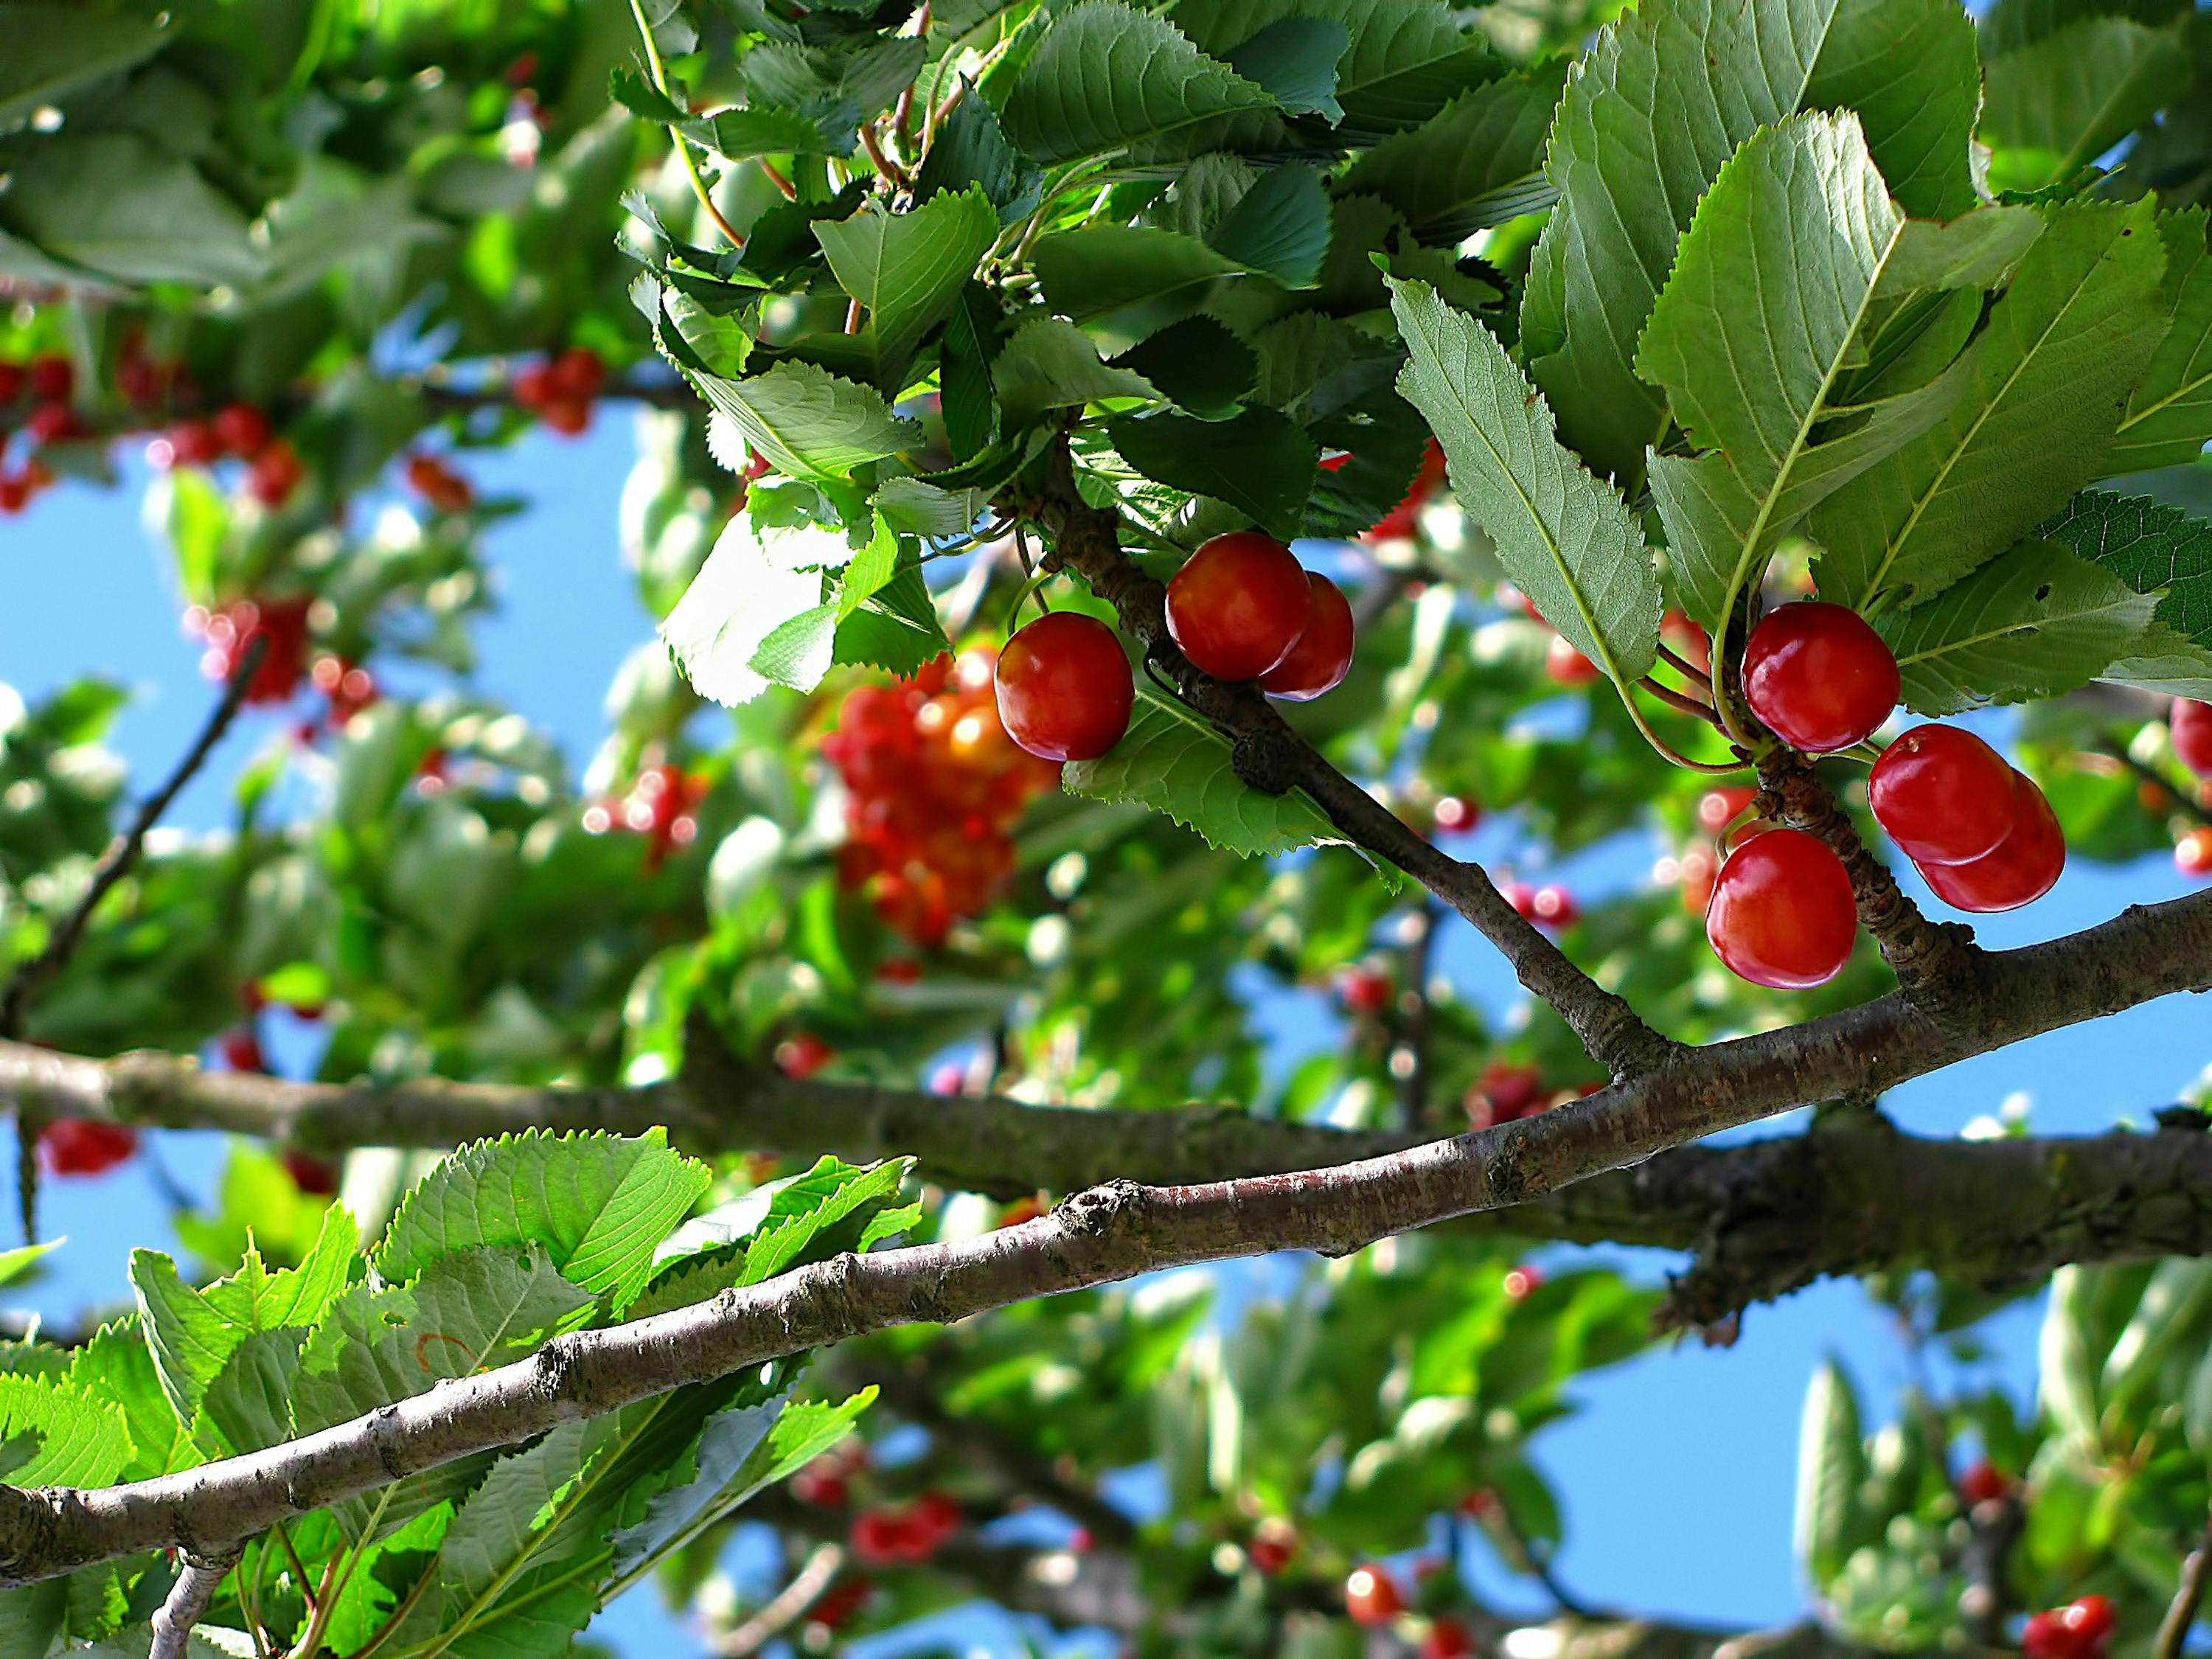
[1781,913]
[1942,795]
[1819,676]
[2191,722]
[1323,653]
[2022,868]
[1064,687]
[1239,605]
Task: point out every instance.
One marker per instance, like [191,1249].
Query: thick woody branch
[1106,1234]
[1270,755]
[187,1601]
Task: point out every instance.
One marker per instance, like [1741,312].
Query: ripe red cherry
[1402,520]
[2024,866]
[311,1176]
[78,1147]
[2047,1637]
[1523,1282]
[1239,604]
[1719,808]
[1364,990]
[1448,1639]
[1782,915]
[1983,1483]
[1553,906]
[801,1056]
[1371,1597]
[2191,722]
[1568,666]
[2192,853]
[1455,815]
[276,473]
[577,372]
[193,443]
[569,416]
[1064,687]
[1943,795]
[1270,1554]
[1819,676]
[242,1051]
[51,378]
[242,430]
[2092,1618]
[1323,653]
[1504,1093]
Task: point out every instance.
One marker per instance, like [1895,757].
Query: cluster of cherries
[905,1533]
[1372,1600]
[437,483]
[935,781]
[559,389]
[46,382]
[1979,830]
[2190,724]
[659,806]
[2080,1630]
[240,431]
[1241,608]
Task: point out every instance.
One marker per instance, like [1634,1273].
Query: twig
[2184,798]
[1688,670]
[29,980]
[1683,704]
[893,173]
[659,72]
[804,1590]
[784,187]
[188,1600]
[2188,1596]
[1996,1527]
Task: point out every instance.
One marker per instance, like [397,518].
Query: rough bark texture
[1113,1233]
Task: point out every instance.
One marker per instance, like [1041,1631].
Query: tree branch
[1270,755]
[1110,1233]
[188,1600]
[2189,1595]
[784,1609]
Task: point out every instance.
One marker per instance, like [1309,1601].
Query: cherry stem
[784,188]
[1695,708]
[1688,670]
[659,71]
[892,173]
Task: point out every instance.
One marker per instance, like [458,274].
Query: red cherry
[1448,1639]
[1364,990]
[1239,605]
[1064,687]
[13,377]
[820,1483]
[193,443]
[1719,808]
[1553,907]
[15,493]
[1401,521]
[1371,1597]
[569,416]
[836,1607]
[78,1147]
[577,372]
[801,1056]
[241,429]
[1943,795]
[1983,1483]
[1271,1553]
[242,1051]
[53,424]
[1521,897]
[311,1175]
[1336,463]
[880,1537]
[276,473]
[1323,653]
[1781,913]
[2022,867]
[2192,853]
[938,1515]
[1819,676]
[1505,1092]
[1568,666]
[2191,722]
[2046,1636]
[2092,1618]
[532,385]
[1523,1282]
[1455,815]
[53,378]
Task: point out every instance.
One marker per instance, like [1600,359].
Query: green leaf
[1197,364]
[1751,336]
[1566,538]
[738,135]
[2053,106]
[1295,59]
[121,204]
[1260,462]
[1174,762]
[630,88]
[1052,364]
[2036,622]
[599,1203]
[192,1332]
[2166,663]
[1831,1467]
[2151,547]
[1278,226]
[834,1208]
[1101,268]
[1478,162]
[896,630]
[972,337]
[1976,250]
[118,1365]
[15,1263]
[923,509]
[52,1436]
[53,48]
[808,422]
[834,89]
[247,1407]
[2069,1358]
[908,269]
[1106,77]
[1653,112]
[741,1451]
[2047,378]
[2169,418]
[970,150]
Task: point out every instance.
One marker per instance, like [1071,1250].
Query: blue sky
[1676,1477]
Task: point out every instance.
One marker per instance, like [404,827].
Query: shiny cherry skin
[2192,853]
[1819,676]
[2022,868]
[1371,1597]
[1064,687]
[1719,808]
[1238,605]
[1323,653]
[2191,722]
[1781,913]
[1942,795]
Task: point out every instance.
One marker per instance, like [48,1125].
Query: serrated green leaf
[970,150]
[2165,663]
[922,509]
[1831,1467]
[1566,538]
[2169,418]
[125,206]
[896,630]
[1295,59]
[2069,1357]
[738,135]
[2047,378]
[1477,162]
[247,1407]
[908,269]
[15,1263]
[1052,364]
[2054,106]
[1280,227]
[1174,762]
[2036,621]
[818,1214]
[51,1435]
[970,343]
[2151,547]
[597,1203]
[118,1365]
[835,89]
[808,423]
[1653,112]
[1258,462]
[53,48]
[800,650]
[192,1332]
[630,88]
[1101,268]
[1106,77]
[1197,364]
[1976,250]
